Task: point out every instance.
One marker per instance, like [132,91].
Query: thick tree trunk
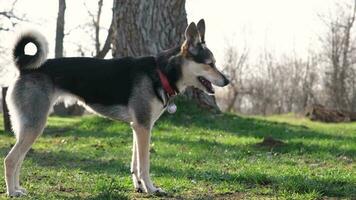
[146,27]
[7,123]
[60,108]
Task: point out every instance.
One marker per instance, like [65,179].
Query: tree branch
[107,45]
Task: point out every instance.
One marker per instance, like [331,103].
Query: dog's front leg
[143,136]
[134,169]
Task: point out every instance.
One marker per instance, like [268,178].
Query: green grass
[195,155]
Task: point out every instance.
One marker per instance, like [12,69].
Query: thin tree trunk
[106,48]
[101,53]
[60,29]
[7,123]
[231,103]
[60,108]
[146,27]
[97,27]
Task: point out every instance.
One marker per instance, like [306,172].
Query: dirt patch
[270,142]
[321,113]
[225,196]
[235,195]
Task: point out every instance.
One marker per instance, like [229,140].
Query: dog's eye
[208,62]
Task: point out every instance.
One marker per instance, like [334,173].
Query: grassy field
[194,155]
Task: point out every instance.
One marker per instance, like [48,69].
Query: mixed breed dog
[134,90]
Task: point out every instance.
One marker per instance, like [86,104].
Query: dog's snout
[226,81]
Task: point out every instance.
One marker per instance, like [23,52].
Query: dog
[133,90]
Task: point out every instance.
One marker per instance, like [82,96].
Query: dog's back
[96,81]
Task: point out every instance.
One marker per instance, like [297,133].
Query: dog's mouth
[207,84]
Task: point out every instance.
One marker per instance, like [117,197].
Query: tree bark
[7,123]
[60,29]
[146,27]
[13,19]
[60,109]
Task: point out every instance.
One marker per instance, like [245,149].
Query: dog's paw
[138,190]
[23,190]
[160,192]
[137,184]
[156,191]
[16,193]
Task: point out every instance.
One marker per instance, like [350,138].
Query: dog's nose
[226,81]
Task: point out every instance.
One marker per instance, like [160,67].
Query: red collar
[166,86]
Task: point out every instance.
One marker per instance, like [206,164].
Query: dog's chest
[157,109]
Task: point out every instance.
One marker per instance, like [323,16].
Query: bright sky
[278,25]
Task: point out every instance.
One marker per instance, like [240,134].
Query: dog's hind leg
[143,136]
[17,175]
[26,136]
[29,103]
[29,139]
[13,163]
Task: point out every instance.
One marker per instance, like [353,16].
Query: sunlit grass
[195,155]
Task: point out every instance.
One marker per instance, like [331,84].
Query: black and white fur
[126,89]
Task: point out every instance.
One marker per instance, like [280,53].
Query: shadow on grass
[296,148]
[293,184]
[233,124]
[89,127]
[194,118]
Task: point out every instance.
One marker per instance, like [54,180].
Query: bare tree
[6,116]
[339,49]
[10,16]
[58,53]
[309,80]
[235,64]
[13,18]
[270,86]
[100,51]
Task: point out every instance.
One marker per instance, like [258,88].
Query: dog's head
[199,68]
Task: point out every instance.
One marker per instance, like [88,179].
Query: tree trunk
[101,53]
[7,123]
[58,53]
[146,27]
[60,108]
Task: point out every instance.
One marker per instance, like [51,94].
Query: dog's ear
[201,29]
[192,37]
[191,34]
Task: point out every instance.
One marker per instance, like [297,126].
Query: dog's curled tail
[23,61]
